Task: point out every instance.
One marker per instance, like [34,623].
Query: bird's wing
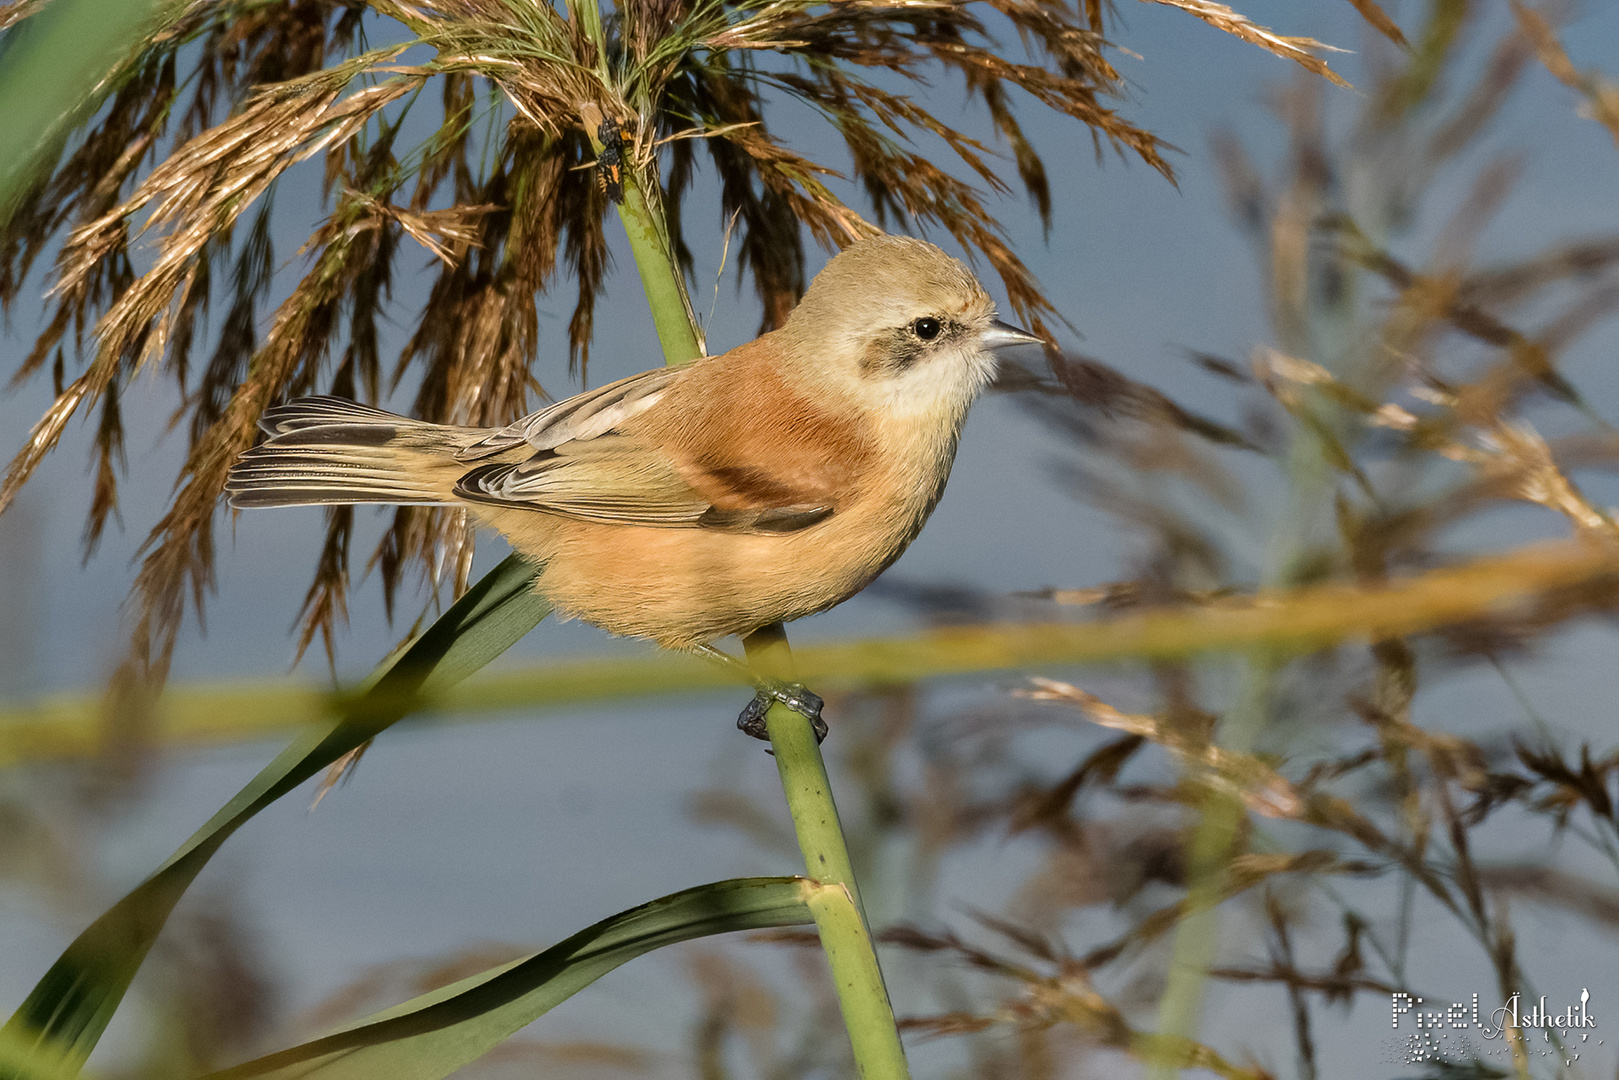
[610,456]
[617,479]
[580,418]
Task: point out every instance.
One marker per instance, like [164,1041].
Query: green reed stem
[1214,839]
[1208,855]
[641,213]
[660,275]
[840,917]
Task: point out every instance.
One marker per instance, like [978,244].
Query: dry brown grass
[202,121]
[1403,395]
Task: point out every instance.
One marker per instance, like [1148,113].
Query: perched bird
[687,504]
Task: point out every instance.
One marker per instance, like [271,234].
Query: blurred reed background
[1365,338]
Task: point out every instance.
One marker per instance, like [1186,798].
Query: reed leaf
[64,1016]
[435,1034]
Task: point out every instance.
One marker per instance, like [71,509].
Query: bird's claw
[793,695]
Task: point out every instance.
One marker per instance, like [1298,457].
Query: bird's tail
[325,450]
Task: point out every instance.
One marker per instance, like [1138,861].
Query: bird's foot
[793,695]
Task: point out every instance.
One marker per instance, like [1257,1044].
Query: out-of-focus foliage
[1390,410]
[1544,583]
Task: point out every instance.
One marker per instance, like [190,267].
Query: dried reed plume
[223,99]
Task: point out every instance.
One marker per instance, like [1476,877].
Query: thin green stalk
[71,725]
[660,276]
[839,914]
[1208,855]
[867,1016]
[1211,847]
[661,279]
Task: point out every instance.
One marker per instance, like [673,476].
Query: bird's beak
[1003,335]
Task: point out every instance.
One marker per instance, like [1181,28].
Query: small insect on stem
[610,162]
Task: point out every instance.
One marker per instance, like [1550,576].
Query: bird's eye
[927,328]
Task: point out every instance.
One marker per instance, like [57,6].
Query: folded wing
[607,455]
[617,479]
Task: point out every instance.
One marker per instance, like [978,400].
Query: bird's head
[900,327]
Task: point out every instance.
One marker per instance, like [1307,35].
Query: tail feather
[324,411]
[327,451]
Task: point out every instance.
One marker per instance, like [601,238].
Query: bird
[688,504]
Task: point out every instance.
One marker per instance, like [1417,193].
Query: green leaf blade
[66,1013]
[56,67]
[434,1035]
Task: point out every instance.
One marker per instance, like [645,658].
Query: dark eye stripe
[896,350]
